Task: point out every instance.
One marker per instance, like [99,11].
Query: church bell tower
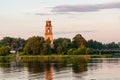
[48,32]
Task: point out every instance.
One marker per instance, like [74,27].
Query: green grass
[52,58]
[59,57]
[7,58]
[55,58]
[100,56]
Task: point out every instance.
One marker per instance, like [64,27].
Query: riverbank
[49,57]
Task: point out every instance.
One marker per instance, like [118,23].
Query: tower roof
[48,23]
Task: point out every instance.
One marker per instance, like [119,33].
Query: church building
[48,32]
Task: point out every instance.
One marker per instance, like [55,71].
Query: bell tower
[48,32]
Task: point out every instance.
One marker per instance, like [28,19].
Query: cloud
[53,13]
[43,14]
[85,8]
[74,32]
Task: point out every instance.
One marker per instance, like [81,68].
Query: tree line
[99,45]
[64,46]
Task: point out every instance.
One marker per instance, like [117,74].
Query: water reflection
[66,69]
[35,66]
[49,72]
[79,66]
[45,69]
[41,69]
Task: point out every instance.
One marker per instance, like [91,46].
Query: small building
[13,51]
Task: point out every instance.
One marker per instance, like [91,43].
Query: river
[94,69]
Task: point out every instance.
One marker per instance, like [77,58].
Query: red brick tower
[48,32]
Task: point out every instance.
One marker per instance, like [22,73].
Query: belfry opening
[48,32]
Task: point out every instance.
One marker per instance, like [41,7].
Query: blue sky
[94,19]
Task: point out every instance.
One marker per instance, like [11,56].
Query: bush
[70,52]
[4,50]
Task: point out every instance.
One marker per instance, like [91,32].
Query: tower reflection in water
[49,72]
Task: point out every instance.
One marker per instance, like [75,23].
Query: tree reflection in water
[79,65]
[35,66]
[48,70]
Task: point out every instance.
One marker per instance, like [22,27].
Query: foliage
[94,44]
[6,41]
[36,46]
[98,45]
[112,45]
[70,52]
[13,43]
[82,50]
[4,50]
[46,47]
[119,44]
[62,45]
[65,46]
[78,40]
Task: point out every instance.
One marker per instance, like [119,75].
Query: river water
[94,69]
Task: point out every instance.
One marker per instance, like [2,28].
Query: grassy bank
[7,58]
[59,57]
[50,57]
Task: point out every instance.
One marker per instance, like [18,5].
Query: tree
[34,46]
[18,44]
[4,50]
[82,50]
[13,43]
[59,50]
[70,52]
[112,45]
[119,44]
[62,45]
[98,45]
[37,45]
[95,44]
[78,40]
[6,41]
[46,47]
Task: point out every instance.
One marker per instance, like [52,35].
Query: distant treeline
[38,46]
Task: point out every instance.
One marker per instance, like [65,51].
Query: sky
[93,19]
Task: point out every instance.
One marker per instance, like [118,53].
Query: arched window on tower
[48,37]
[48,30]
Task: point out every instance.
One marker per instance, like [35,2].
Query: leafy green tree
[13,43]
[78,40]
[46,47]
[37,46]
[119,44]
[4,50]
[18,44]
[34,45]
[70,52]
[62,45]
[88,51]
[98,45]
[59,50]
[6,41]
[95,44]
[82,50]
[112,45]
